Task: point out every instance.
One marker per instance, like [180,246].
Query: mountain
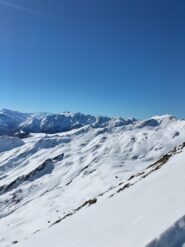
[12,121]
[49,181]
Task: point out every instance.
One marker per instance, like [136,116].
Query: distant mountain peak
[43,122]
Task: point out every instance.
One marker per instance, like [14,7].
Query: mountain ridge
[44,177]
[12,122]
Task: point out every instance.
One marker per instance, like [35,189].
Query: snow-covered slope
[8,143]
[53,175]
[134,217]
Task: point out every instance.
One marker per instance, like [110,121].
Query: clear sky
[110,57]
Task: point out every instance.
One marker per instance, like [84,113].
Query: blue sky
[110,57]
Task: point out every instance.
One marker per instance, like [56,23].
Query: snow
[131,218]
[8,143]
[172,237]
[51,175]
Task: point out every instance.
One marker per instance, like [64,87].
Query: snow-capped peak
[13,121]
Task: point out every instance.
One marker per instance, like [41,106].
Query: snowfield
[48,182]
[131,218]
[8,143]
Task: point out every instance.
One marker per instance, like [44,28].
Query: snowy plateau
[75,180]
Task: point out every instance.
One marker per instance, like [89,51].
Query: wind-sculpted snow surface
[133,217]
[52,176]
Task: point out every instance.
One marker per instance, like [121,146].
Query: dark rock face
[21,135]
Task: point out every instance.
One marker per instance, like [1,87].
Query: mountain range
[14,121]
[76,180]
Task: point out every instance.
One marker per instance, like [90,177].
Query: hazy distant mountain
[13,121]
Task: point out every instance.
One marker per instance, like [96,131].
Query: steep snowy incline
[51,175]
[134,217]
[8,143]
